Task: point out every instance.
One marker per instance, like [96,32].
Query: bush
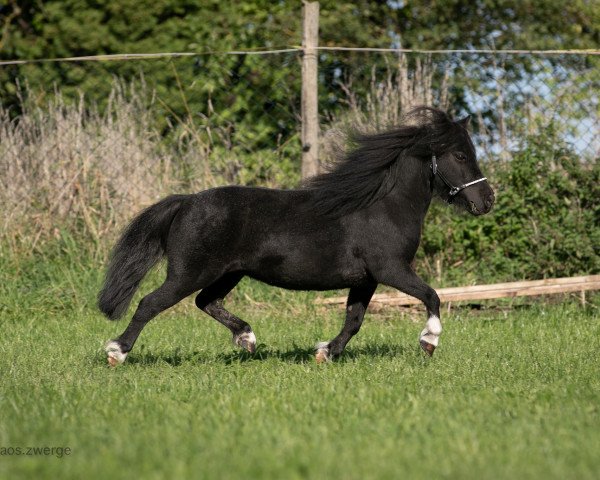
[545,223]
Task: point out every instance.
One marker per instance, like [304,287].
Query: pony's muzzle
[479,201]
[489,202]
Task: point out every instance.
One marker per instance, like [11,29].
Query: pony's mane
[368,172]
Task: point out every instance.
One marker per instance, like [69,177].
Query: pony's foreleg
[210,300]
[167,295]
[407,281]
[356,306]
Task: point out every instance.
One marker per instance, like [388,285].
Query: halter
[453,190]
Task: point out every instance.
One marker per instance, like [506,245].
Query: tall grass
[68,166]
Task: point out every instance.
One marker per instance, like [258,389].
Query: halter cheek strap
[453,189]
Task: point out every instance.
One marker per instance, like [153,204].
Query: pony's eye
[461,157]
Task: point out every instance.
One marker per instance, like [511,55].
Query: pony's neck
[413,185]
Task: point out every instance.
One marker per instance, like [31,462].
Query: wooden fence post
[310,109]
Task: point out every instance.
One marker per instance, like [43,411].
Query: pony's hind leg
[210,300]
[167,295]
[356,306]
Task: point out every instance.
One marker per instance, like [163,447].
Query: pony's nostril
[489,201]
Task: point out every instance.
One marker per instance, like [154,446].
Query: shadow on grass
[296,355]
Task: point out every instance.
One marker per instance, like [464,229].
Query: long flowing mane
[369,171]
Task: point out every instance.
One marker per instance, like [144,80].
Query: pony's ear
[465,121]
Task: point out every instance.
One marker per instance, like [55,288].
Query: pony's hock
[354,226]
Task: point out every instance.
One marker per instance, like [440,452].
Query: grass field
[508,394]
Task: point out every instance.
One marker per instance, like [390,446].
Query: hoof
[322,353]
[115,355]
[245,340]
[427,347]
[113,362]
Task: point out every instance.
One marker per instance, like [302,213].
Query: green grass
[508,394]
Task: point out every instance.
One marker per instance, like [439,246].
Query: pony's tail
[140,247]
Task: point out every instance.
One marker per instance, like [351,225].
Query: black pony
[355,226]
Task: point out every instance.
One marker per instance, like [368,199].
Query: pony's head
[439,147]
[456,176]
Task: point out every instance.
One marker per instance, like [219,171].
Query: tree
[256,99]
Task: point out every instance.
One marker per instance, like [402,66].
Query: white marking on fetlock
[322,352]
[432,331]
[116,356]
[245,340]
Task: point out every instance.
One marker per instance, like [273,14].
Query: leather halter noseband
[453,190]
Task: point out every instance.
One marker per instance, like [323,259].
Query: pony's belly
[310,277]
[310,284]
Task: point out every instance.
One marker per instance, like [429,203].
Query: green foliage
[245,89]
[276,169]
[519,24]
[210,91]
[545,223]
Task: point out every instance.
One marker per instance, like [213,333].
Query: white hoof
[115,355]
[245,340]
[322,352]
